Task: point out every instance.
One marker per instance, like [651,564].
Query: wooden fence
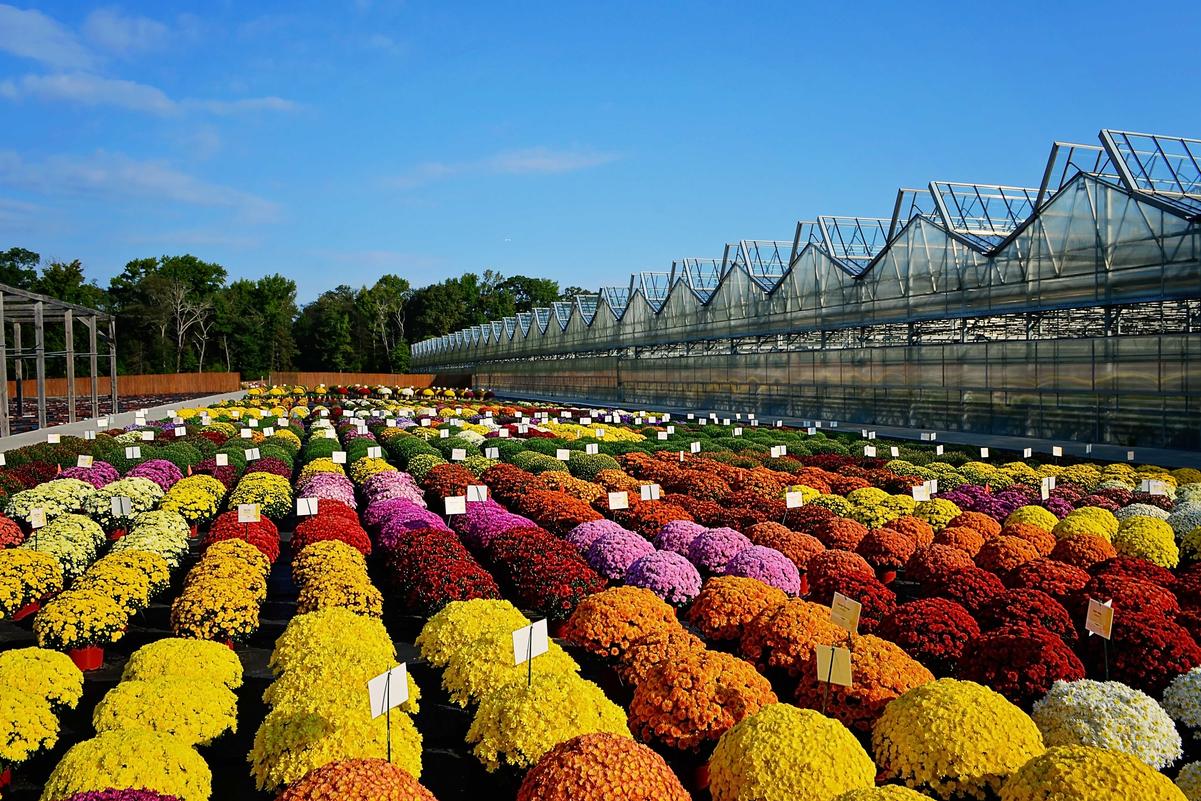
[195,384]
[418,380]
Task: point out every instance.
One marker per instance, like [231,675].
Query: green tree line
[183,314]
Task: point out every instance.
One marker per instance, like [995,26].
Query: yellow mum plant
[48,675]
[460,623]
[1147,538]
[79,618]
[889,792]
[783,753]
[342,631]
[487,665]
[26,576]
[1085,773]
[1087,520]
[1032,515]
[954,737]
[194,660]
[131,578]
[197,712]
[517,724]
[131,758]
[30,726]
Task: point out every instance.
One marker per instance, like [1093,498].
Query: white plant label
[1130,456]
[738,431]
[375,452]
[147,436]
[222,459]
[984,453]
[671,429]
[102,422]
[121,505]
[695,447]
[662,435]
[600,433]
[894,451]
[834,665]
[37,517]
[477,493]
[649,492]
[530,641]
[133,452]
[921,493]
[54,439]
[89,434]
[248,513]
[253,422]
[585,421]
[938,450]
[502,433]
[455,505]
[338,457]
[245,433]
[458,454]
[592,447]
[869,450]
[492,453]
[1027,453]
[845,612]
[388,690]
[268,431]
[306,507]
[180,431]
[83,460]
[1099,619]
[619,500]
[1056,450]
[811,431]
[252,454]
[794,499]
[562,454]
[444,433]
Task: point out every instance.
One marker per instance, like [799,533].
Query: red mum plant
[1190,620]
[812,477]
[446,480]
[878,601]
[1057,579]
[328,507]
[886,549]
[647,518]
[832,564]
[970,586]
[726,604]
[555,511]
[1020,663]
[1128,595]
[916,529]
[934,560]
[745,509]
[1003,554]
[934,631]
[699,485]
[452,580]
[262,535]
[965,539]
[508,483]
[1027,608]
[839,533]
[269,464]
[1188,586]
[707,513]
[10,533]
[1147,651]
[984,525]
[804,518]
[331,527]
[841,485]
[1134,567]
[1042,540]
[546,574]
[1083,550]
[796,546]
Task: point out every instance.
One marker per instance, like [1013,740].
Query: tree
[529,293]
[18,267]
[382,307]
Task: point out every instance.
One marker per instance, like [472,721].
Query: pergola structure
[29,313]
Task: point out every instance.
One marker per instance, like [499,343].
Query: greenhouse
[1067,309]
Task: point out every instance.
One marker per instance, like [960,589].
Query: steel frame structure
[21,308]
[1066,310]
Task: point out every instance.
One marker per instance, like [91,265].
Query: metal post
[18,370]
[4,432]
[39,346]
[69,334]
[94,366]
[112,362]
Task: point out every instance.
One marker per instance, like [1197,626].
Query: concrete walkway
[114,421]
[1164,457]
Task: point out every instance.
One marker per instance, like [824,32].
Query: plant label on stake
[491,453]
[375,452]
[894,451]
[338,457]
[458,454]
[1099,621]
[938,450]
[252,454]
[869,451]
[738,431]
[1130,456]
[562,454]
[503,433]
[1045,487]
[37,517]
[83,460]
[984,453]
[89,434]
[833,667]
[1057,450]
[592,447]
[671,429]
[619,500]
[133,452]
[695,447]
[845,612]
[306,507]
[268,431]
[54,439]
[794,499]
[444,433]
[477,493]
[147,436]
[921,492]
[180,431]
[662,435]
[122,506]
[249,513]
[253,422]
[529,642]
[245,433]
[455,505]
[388,689]
[222,459]
[649,492]
[102,422]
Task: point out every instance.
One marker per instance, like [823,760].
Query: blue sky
[333,141]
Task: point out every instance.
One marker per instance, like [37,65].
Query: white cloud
[86,89]
[31,34]
[90,90]
[124,35]
[527,161]
[116,175]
